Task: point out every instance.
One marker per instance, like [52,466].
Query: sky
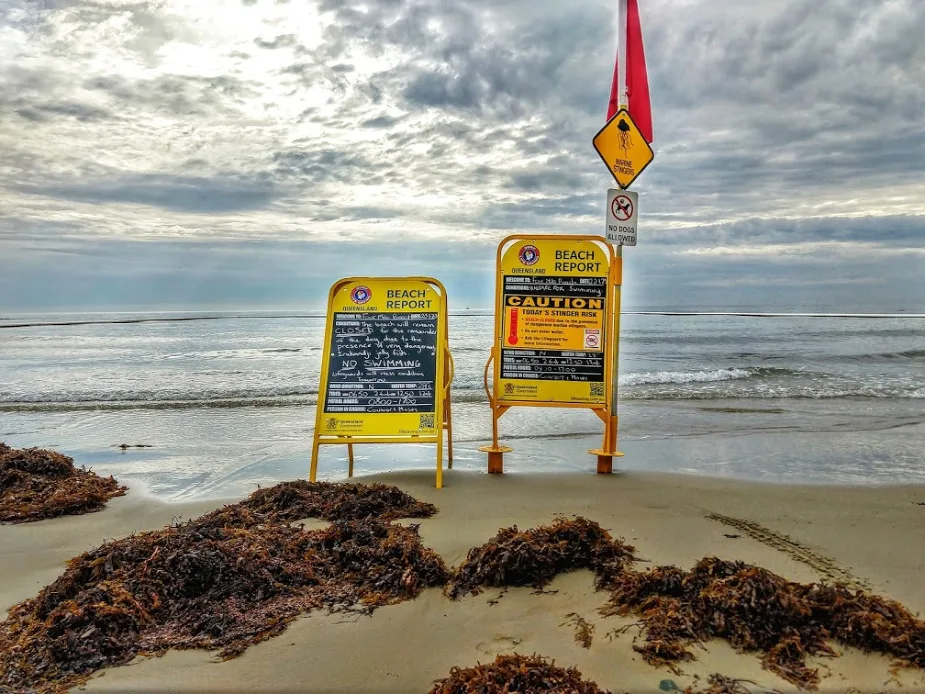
[196,154]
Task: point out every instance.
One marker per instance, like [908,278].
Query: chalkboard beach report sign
[387,368]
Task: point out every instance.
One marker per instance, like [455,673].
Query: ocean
[223,402]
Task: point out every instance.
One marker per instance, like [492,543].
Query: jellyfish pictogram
[626,137]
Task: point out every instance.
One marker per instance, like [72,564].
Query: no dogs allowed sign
[622,213]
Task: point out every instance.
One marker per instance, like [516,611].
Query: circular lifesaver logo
[361,294]
[529,255]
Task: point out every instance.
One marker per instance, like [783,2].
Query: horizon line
[322,314]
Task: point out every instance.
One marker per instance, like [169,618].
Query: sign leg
[495,463]
[313,473]
[449,433]
[495,457]
[350,458]
[440,463]
[496,451]
[605,461]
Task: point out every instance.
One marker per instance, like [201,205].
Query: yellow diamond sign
[623,148]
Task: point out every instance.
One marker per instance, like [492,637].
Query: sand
[870,537]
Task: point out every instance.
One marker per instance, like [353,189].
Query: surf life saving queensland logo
[361,294]
[529,255]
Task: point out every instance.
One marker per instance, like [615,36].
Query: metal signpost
[626,153]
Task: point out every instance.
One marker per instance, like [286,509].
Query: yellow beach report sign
[386,370]
[554,304]
[382,366]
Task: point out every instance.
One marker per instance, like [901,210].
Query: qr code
[427,421]
[597,390]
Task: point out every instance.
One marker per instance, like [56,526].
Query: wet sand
[873,538]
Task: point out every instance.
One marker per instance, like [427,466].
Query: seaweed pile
[225,581]
[36,484]
[336,501]
[534,557]
[759,611]
[515,673]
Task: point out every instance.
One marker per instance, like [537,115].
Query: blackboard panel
[552,365]
[382,363]
[553,286]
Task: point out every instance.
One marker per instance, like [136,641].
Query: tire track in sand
[828,568]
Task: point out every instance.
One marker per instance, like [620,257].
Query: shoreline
[211,453]
[870,537]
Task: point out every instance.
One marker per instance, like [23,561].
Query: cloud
[68,272]
[178,193]
[281,41]
[783,129]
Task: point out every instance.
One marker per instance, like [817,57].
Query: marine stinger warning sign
[554,324]
[623,148]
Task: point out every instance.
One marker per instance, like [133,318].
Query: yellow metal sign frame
[606,409]
[442,381]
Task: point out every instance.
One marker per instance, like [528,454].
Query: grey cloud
[281,41]
[315,72]
[112,272]
[322,165]
[456,67]
[43,112]
[177,193]
[370,213]
[546,179]
[786,117]
[175,95]
[548,213]
[435,89]
[380,122]
[896,231]
[274,272]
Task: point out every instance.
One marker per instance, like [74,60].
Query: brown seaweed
[756,610]
[534,557]
[515,674]
[226,580]
[720,684]
[36,484]
[341,501]
[584,630]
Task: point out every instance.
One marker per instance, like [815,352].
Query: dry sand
[871,537]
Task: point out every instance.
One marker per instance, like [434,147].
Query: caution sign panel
[623,148]
[384,360]
[554,308]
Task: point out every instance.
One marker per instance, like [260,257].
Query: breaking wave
[704,376]
[706,384]
[905,355]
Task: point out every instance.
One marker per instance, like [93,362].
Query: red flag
[637,81]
